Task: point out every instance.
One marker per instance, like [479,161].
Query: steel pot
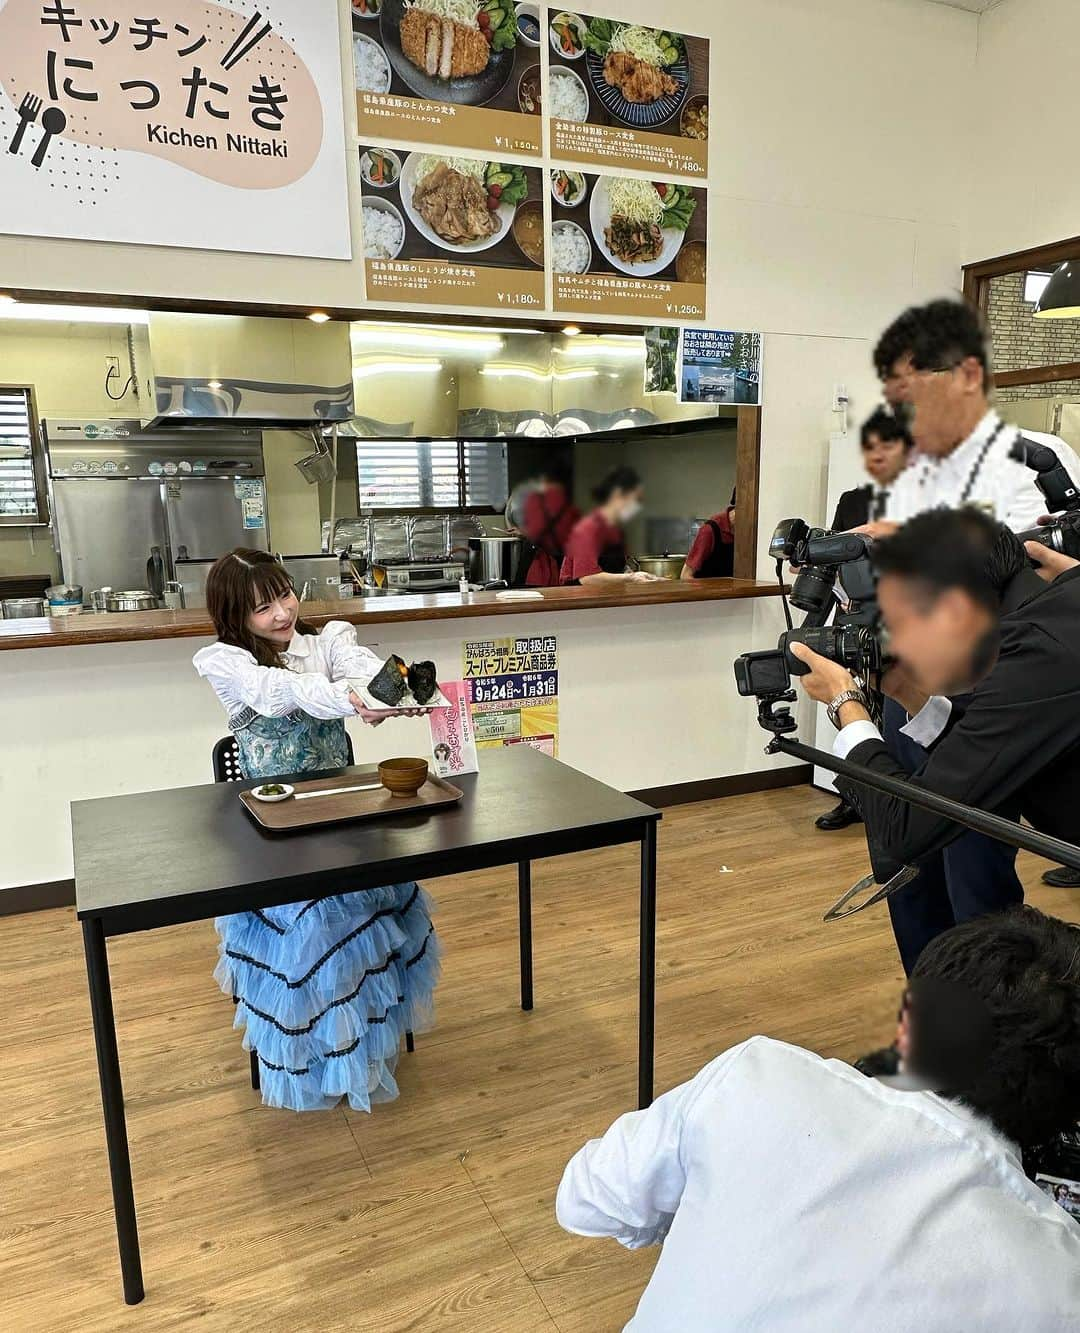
[23,608]
[134,600]
[492,559]
[665,566]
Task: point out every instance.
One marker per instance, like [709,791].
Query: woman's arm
[272,691]
[601,580]
[345,657]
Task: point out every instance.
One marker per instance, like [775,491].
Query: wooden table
[168,857]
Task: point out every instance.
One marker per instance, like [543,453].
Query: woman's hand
[640,576]
[375,717]
[825,679]
[1049,564]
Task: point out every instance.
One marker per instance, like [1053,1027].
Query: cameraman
[965,613]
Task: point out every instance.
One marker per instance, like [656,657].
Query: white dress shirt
[1005,488]
[793,1195]
[315,677]
[924,727]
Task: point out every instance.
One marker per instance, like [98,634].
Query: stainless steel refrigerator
[135,509]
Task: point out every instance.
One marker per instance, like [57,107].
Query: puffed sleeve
[239,681]
[345,657]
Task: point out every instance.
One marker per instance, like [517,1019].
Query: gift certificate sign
[515,691]
[218,126]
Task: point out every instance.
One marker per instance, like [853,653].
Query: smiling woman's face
[275,619]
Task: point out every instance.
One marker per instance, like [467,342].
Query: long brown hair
[235,586]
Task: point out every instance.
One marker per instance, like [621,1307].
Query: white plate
[365,168]
[562,201]
[271,800]
[577,23]
[409,172]
[385,84]
[600,217]
[438,700]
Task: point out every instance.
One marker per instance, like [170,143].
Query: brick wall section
[1021,341]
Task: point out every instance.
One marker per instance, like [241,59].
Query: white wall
[1022,128]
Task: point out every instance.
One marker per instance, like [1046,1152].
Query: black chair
[226,765]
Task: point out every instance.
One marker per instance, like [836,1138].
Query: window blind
[435,474]
[18,493]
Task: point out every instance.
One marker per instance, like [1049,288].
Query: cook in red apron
[712,556]
[596,550]
[549,518]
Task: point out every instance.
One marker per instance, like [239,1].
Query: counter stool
[226,765]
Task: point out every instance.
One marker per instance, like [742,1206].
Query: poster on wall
[623,96]
[719,366]
[216,126]
[452,230]
[661,359]
[458,73]
[515,691]
[625,247]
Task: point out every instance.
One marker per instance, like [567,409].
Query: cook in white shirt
[794,1195]
[315,678]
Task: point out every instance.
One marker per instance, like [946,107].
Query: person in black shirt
[989,673]
[886,450]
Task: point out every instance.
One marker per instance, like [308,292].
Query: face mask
[631,511]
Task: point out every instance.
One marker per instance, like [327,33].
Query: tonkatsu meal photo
[457,51]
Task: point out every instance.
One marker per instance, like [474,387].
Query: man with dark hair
[964,613]
[886,449]
[792,1193]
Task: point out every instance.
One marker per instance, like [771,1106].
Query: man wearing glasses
[933,363]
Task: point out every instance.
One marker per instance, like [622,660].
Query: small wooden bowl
[403,777]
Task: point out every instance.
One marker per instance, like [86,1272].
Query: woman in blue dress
[325,990]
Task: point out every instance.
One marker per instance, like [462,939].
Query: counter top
[132,626]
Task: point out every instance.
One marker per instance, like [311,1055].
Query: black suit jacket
[1012,746]
[853,509]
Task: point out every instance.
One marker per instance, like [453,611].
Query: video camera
[1062,497]
[854,639]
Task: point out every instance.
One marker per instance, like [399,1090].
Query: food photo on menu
[616,77]
[452,228]
[451,72]
[606,226]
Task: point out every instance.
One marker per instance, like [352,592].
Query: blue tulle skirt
[326,990]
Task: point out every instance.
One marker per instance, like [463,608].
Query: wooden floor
[436,1212]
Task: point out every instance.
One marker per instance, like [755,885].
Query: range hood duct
[203,372]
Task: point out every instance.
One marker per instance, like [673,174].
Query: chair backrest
[226,759]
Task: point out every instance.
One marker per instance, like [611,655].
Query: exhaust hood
[199,372]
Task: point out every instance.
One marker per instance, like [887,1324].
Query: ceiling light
[75,314]
[213,384]
[1061,295]
[422,367]
[319,317]
[571,330]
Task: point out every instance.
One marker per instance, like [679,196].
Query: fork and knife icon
[53,122]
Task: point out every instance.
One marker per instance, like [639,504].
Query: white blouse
[315,677]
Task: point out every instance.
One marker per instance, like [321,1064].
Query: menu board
[627,97]
[626,247]
[444,230]
[564,140]
[464,73]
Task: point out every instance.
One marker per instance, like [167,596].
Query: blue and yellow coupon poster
[514,687]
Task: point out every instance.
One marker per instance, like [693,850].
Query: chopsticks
[335,791]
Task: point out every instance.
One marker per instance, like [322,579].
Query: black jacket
[853,509]
[1012,747]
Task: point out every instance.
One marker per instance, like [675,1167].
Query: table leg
[647,979]
[525,932]
[112,1104]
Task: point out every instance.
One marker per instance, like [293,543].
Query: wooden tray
[292,815]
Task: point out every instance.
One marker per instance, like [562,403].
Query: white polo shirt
[793,1195]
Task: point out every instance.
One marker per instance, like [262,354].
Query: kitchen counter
[135,626]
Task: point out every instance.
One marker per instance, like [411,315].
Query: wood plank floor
[435,1212]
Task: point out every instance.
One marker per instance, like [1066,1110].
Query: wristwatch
[854,696]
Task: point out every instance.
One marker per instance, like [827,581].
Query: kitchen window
[22,496]
[431,474]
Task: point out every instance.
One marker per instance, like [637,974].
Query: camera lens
[813,587]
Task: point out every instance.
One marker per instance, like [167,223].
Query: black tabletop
[170,856]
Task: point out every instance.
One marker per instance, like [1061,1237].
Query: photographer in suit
[965,612]
[886,449]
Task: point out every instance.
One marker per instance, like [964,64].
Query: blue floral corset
[273,747]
